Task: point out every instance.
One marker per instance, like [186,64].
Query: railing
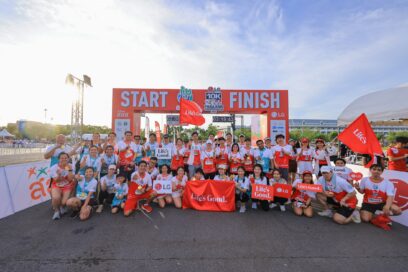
[24,148]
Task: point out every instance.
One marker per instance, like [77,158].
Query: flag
[191,113]
[360,137]
[157,128]
[147,128]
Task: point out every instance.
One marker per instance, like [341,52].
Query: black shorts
[92,202]
[344,211]
[372,208]
[331,201]
[292,166]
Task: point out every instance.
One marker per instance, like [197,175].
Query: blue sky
[326,53]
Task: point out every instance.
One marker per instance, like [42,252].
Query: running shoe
[146,207]
[56,215]
[355,216]
[327,213]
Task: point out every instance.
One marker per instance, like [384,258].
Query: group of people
[122,174]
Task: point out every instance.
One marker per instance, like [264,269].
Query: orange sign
[272,103]
[310,187]
[262,192]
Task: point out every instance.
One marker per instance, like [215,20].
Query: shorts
[92,202]
[344,211]
[131,202]
[67,188]
[372,208]
[331,201]
[292,166]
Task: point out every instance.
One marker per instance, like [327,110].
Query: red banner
[262,192]
[157,128]
[209,195]
[282,190]
[310,187]
[191,113]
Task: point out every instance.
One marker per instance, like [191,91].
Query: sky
[326,53]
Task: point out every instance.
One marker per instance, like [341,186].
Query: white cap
[326,169]
[208,142]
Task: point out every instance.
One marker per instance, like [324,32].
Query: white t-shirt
[153,173]
[265,153]
[243,183]
[95,163]
[220,151]
[278,148]
[376,193]
[54,157]
[340,185]
[64,173]
[218,178]
[207,154]
[245,151]
[303,193]
[122,146]
[121,189]
[109,182]
[145,181]
[181,151]
[263,181]
[83,188]
[343,172]
[235,156]
[179,185]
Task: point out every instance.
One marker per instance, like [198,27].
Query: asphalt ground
[188,240]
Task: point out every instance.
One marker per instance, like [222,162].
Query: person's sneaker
[272,205]
[355,216]
[146,207]
[74,214]
[63,210]
[99,209]
[327,213]
[56,216]
[282,208]
[242,209]
[254,205]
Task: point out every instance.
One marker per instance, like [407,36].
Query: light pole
[77,109]
[45,116]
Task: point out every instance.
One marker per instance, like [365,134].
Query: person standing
[52,152]
[127,153]
[208,161]
[282,153]
[397,155]
[194,160]
[263,157]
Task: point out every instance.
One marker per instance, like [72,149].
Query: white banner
[163,153]
[28,184]
[162,186]
[400,180]
[6,207]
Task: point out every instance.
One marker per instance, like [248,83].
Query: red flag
[191,113]
[360,137]
[157,128]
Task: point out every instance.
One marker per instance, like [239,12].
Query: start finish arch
[128,104]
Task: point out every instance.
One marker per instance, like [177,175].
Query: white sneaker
[99,209]
[282,208]
[254,205]
[63,210]
[355,216]
[272,205]
[327,213]
[242,209]
[56,216]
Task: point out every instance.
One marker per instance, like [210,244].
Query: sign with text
[163,153]
[162,186]
[282,190]
[173,120]
[310,187]
[262,192]
[222,119]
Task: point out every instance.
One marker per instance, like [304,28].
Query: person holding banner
[235,159]
[221,153]
[62,184]
[277,178]
[194,160]
[247,154]
[208,161]
[301,199]
[321,157]
[199,174]
[242,184]
[282,153]
[222,173]
[178,184]
[305,157]
[138,149]
[85,197]
[264,157]
[167,145]
[339,194]
[378,194]
[121,190]
[151,145]
[177,159]
[127,152]
[140,188]
[259,178]
[165,175]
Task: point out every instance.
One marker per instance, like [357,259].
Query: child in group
[84,198]
[241,188]
[301,199]
[259,178]
[341,170]
[120,193]
[164,175]
[277,178]
[222,173]
[178,184]
[199,174]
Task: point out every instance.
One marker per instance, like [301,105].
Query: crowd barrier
[23,186]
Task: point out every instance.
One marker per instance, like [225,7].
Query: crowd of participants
[95,174]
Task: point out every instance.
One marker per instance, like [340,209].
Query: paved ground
[20,158]
[197,241]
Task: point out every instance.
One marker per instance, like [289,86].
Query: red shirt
[398,165]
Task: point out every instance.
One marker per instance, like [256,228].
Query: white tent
[4,133]
[384,105]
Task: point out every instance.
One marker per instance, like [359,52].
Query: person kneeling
[241,188]
[120,191]
[302,199]
[84,199]
[140,188]
[178,184]
[277,178]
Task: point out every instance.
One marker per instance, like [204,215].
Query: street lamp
[77,108]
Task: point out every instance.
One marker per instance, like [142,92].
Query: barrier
[23,186]
[400,180]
